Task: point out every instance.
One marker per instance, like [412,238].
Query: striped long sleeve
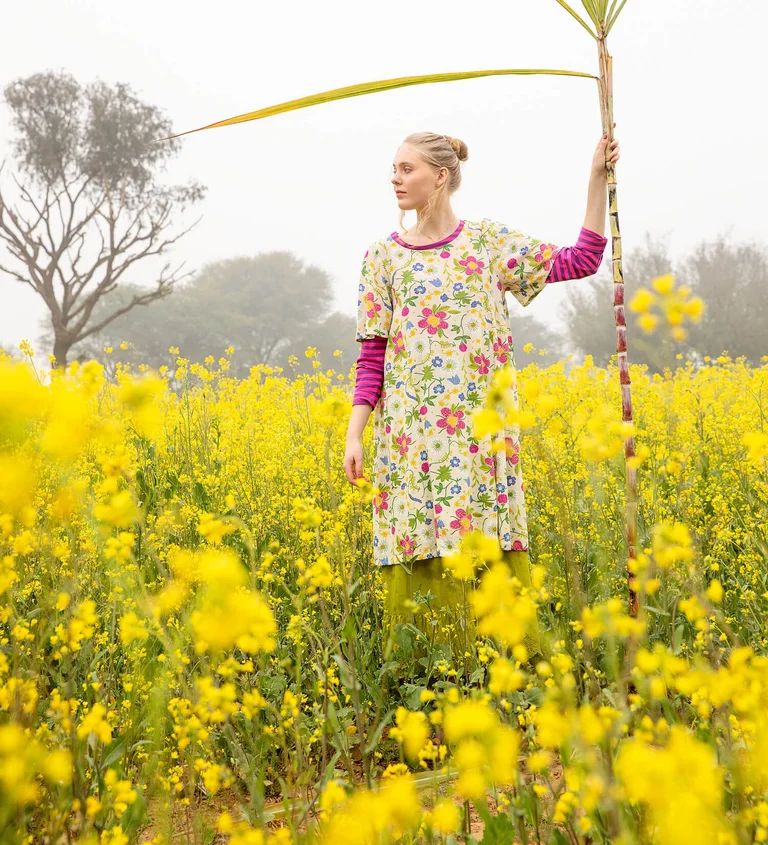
[369,375]
[580,260]
[571,262]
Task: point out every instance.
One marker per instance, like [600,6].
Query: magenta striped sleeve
[580,260]
[369,374]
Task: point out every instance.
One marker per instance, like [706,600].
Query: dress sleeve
[519,262]
[374,299]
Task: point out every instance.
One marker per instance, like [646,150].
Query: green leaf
[499,830]
[612,17]
[570,11]
[381,85]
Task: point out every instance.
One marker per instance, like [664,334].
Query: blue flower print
[482,488]
[458,286]
[454,379]
[500,487]
[456,489]
[455,461]
[471,387]
[443,297]
[423,455]
[419,289]
[428,504]
[439,388]
[437,361]
[418,266]
[524,250]
[507,536]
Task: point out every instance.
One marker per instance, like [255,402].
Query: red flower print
[482,362]
[512,450]
[403,440]
[380,501]
[372,306]
[451,421]
[463,521]
[501,350]
[472,265]
[517,546]
[433,320]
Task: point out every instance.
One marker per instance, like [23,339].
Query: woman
[433,324]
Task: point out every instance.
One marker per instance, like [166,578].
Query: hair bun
[459,147]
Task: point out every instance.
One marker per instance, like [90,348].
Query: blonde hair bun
[459,147]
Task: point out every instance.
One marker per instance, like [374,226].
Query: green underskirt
[454,627]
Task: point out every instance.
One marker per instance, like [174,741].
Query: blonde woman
[433,325]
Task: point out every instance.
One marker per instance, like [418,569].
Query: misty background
[292,202]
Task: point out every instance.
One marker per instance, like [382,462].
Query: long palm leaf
[371,88]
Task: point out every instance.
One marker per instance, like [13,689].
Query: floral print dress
[443,308]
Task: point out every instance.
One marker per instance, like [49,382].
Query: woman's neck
[440,225]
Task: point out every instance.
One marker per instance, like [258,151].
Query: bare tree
[90,205]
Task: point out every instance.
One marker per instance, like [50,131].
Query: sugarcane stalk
[605,88]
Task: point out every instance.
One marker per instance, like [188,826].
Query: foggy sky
[688,87]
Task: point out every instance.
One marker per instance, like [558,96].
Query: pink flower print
[425,466]
[501,350]
[380,501]
[544,255]
[482,362]
[472,266]
[438,508]
[423,410]
[388,428]
[512,263]
[463,521]
[462,347]
[445,254]
[406,311]
[474,448]
[399,342]
[372,306]
[407,544]
[403,440]
[451,421]
[517,546]
[433,320]
[512,450]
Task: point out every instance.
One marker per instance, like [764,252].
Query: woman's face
[414,178]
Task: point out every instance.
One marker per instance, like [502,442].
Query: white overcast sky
[689,79]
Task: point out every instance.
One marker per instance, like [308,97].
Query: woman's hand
[353,461]
[605,152]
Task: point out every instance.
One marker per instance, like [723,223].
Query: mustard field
[191,636]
